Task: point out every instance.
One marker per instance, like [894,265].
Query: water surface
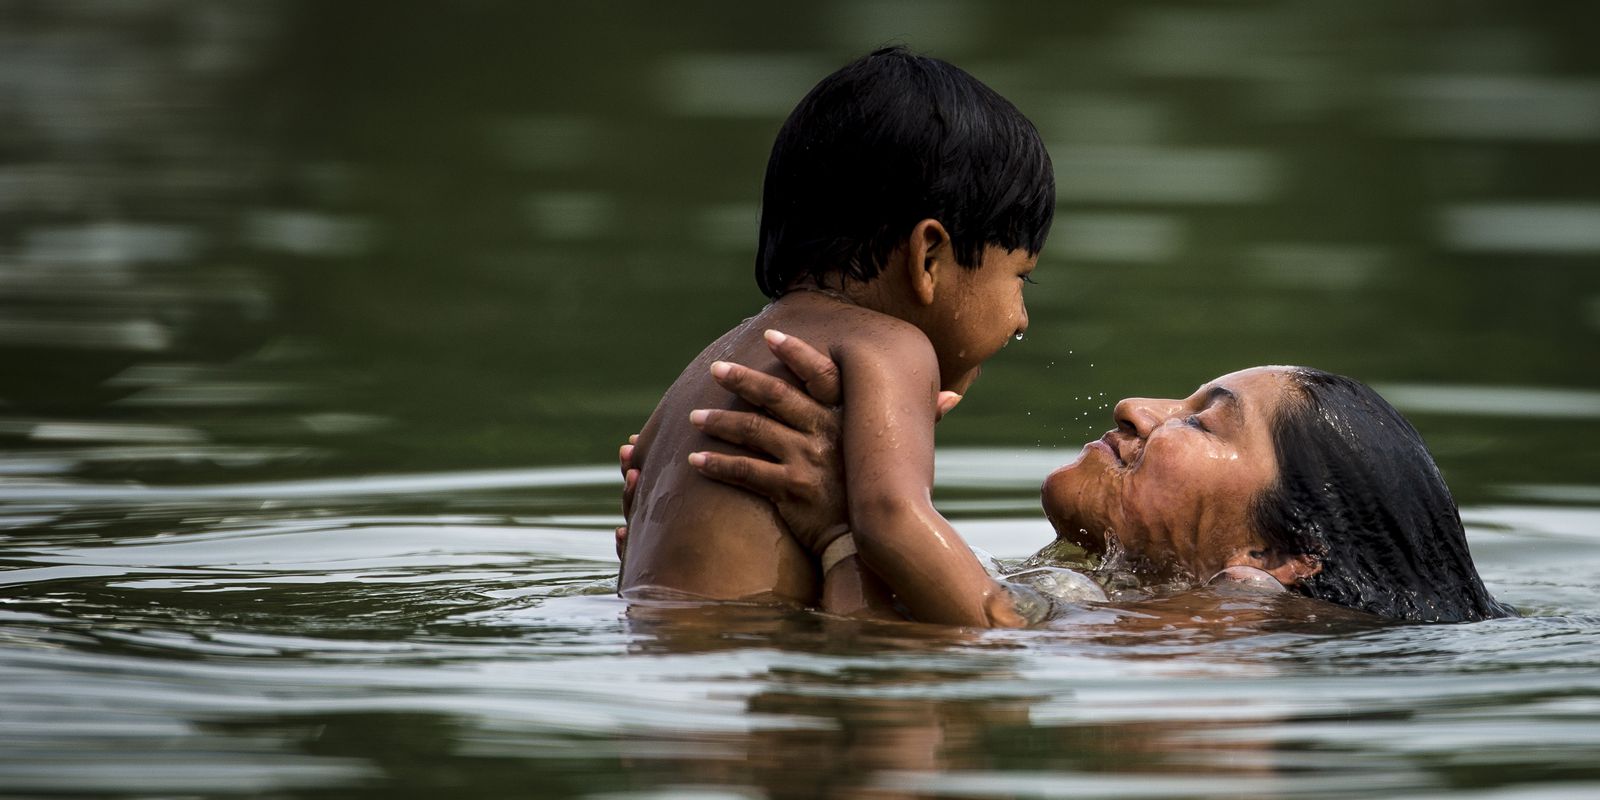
[458,633]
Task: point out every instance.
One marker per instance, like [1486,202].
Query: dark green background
[494,232]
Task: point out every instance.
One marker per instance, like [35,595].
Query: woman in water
[1287,476]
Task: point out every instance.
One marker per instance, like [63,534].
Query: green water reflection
[316,238]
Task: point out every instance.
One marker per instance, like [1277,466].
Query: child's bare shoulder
[869,337]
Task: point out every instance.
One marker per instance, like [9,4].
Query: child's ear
[929,259]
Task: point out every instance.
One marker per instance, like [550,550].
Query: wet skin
[984,313]
[925,324]
[1173,483]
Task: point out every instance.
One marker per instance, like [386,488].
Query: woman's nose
[1140,415]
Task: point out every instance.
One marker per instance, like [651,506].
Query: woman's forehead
[1254,381]
[1248,390]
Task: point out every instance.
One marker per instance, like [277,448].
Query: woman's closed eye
[1194,421]
[1028,279]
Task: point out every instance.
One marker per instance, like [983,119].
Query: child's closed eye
[1028,279]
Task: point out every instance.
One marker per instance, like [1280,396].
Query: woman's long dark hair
[1358,489]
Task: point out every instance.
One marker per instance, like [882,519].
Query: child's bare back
[695,536]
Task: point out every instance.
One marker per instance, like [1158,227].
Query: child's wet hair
[885,142]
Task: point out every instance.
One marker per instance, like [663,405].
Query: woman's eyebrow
[1222,396]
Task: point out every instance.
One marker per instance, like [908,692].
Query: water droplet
[1019,336]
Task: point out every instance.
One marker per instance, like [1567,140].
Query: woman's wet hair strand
[1358,489]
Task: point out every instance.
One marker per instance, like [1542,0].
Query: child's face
[982,314]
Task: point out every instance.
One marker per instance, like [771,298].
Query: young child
[904,207]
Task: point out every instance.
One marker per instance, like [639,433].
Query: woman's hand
[630,486]
[806,482]
[800,432]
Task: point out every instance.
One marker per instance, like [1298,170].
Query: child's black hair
[885,142]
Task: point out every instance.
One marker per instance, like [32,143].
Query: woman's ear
[930,260]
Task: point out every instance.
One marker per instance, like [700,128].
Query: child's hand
[946,404]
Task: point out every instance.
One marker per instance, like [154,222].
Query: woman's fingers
[748,472]
[814,369]
[630,487]
[630,476]
[748,429]
[779,397]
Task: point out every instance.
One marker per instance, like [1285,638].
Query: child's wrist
[841,548]
[820,541]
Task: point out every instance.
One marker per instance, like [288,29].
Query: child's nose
[1022,322]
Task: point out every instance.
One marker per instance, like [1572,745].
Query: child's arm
[891,382]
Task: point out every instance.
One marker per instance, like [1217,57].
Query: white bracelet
[838,550]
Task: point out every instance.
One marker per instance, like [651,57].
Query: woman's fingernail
[720,369]
[626,452]
[698,417]
[697,459]
[776,337]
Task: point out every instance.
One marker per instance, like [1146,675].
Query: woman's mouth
[1109,445]
[1125,450]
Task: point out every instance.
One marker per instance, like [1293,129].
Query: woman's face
[1174,482]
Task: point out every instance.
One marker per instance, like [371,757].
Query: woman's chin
[1063,496]
[1074,528]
